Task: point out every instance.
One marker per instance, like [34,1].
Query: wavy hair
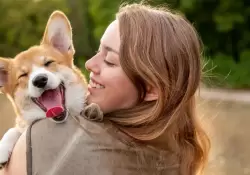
[161,49]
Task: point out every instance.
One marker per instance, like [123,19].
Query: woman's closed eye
[109,63]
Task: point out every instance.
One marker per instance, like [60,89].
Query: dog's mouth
[52,101]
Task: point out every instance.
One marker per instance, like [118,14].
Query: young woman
[144,78]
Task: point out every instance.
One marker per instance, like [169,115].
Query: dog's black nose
[40,81]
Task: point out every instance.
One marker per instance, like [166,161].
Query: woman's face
[109,86]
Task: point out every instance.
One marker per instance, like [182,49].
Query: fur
[53,58]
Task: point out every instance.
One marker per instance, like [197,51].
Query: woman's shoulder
[83,147]
[76,130]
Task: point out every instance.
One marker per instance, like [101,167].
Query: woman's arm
[17,163]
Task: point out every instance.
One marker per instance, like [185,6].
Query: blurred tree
[82,24]
[23,23]
[102,12]
[222,24]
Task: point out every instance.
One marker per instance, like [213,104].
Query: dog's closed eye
[47,63]
[23,75]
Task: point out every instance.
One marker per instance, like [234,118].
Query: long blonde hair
[161,49]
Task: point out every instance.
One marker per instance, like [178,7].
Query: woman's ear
[151,94]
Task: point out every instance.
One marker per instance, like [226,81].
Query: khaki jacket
[82,147]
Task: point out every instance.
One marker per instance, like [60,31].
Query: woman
[144,78]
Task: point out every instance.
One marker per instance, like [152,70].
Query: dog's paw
[4,155]
[93,112]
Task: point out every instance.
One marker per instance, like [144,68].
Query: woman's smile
[95,85]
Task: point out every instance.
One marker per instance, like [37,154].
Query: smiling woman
[117,91]
[144,78]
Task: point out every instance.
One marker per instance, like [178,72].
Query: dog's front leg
[7,145]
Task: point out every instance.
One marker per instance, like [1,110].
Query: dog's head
[43,79]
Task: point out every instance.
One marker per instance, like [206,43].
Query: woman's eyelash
[108,63]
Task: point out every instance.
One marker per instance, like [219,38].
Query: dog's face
[42,81]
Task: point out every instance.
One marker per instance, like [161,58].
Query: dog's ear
[4,65]
[58,33]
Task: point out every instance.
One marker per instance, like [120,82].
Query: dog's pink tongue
[53,112]
[52,101]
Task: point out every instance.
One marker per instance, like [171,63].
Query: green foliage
[222,24]
[23,23]
[224,29]
[228,14]
[222,71]
[103,12]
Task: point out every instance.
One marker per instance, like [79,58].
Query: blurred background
[223,25]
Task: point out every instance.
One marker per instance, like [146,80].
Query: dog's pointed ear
[58,33]
[4,66]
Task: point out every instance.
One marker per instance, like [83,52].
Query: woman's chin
[90,99]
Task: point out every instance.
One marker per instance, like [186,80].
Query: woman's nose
[92,65]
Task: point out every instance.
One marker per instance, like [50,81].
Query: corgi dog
[42,81]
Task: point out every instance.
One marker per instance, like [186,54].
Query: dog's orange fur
[37,55]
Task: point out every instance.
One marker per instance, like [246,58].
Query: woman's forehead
[111,36]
